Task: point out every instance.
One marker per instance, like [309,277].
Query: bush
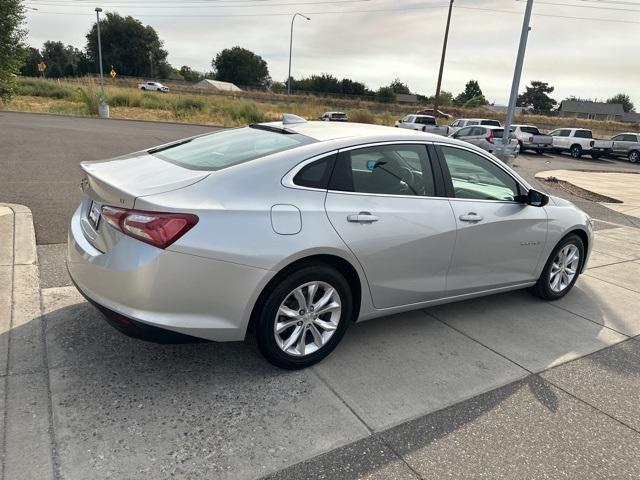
[361,116]
[190,104]
[45,88]
[125,100]
[90,95]
[246,112]
[155,102]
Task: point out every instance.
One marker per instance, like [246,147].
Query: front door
[383,203]
[499,239]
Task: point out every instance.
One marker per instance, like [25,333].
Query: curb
[23,237]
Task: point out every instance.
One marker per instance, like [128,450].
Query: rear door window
[629,138]
[493,123]
[385,170]
[583,134]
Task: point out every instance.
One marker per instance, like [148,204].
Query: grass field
[80,97]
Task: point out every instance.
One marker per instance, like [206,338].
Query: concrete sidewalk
[88,402]
[624,187]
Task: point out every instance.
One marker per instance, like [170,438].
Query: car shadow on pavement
[219,410]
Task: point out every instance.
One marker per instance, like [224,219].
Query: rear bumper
[195,296]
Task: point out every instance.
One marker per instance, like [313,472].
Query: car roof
[520,125]
[421,115]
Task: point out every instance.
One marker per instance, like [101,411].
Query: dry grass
[80,97]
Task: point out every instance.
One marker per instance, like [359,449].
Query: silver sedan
[294,230]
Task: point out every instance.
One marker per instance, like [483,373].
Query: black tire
[539,151]
[278,293]
[542,288]
[576,151]
[634,156]
[143,88]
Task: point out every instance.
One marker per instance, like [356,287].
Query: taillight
[490,137]
[155,228]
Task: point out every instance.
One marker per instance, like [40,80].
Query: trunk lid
[121,180]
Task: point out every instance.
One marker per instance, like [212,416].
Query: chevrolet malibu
[293,230]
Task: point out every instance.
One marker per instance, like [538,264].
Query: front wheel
[561,270]
[304,316]
[634,157]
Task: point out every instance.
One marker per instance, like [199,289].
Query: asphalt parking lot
[500,387]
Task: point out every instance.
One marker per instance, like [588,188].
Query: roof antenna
[290,119]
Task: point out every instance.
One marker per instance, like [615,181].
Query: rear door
[384,201]
[499,239]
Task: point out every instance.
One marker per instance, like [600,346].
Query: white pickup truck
[153,87]
[423,123]
[530,138]
[579,141]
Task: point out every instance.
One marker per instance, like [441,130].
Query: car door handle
[362,217]
[471,217]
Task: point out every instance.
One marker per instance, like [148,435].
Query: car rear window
[494,123]
[229,147]
[532,130]
[426,120]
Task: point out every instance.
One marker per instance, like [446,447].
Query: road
[41,156]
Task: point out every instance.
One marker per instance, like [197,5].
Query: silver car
[487,137]
[295,230]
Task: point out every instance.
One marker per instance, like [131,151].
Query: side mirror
[537,199]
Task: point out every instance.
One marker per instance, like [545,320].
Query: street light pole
[515,85]
[291,50]
[436,99]
[103,106]
[98,10]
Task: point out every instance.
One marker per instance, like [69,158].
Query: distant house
[631,117]
[217,85]
[406,98]
[591,110]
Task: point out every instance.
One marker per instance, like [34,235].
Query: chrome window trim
[525,187]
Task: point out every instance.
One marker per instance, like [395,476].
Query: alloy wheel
[307,318]
[634,157]
[564,268]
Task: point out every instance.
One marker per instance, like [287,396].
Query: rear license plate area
[94,215]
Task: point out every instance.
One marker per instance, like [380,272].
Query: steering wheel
[409,178]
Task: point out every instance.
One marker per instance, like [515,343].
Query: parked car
[437,114]
[626,145]
[423,123]
[334,117]
[488,138]
[467,122]
[295,230]
[530,138]
[579,141]
[153,87]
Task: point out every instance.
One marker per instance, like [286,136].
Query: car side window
[477,131]
[564,133]
[629,138]
[473,122]
[385,170]
[316,174]
[475,177]
[617,138]
[464,132]
[583,134]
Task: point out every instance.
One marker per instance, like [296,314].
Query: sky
[374,41]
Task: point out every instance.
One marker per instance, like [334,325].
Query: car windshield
[495,123]
[230,147]
[532,130]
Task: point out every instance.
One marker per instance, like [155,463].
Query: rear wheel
[561,270]
[304,316]
[576,151]
[142,88]
[634,156]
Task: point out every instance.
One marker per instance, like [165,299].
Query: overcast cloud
[588,58]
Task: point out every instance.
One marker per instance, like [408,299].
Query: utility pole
[291,50]
[436,99]
[150,64]
[515,85]
[103,106]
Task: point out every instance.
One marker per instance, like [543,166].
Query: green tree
[398,87]
[471,96]
[446,98]
[350,87]
[32,58]
[241,66]
[189,74]
[131,47]
[61,60]
[385,94]
[12,49]
[536,97]
[625,100]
